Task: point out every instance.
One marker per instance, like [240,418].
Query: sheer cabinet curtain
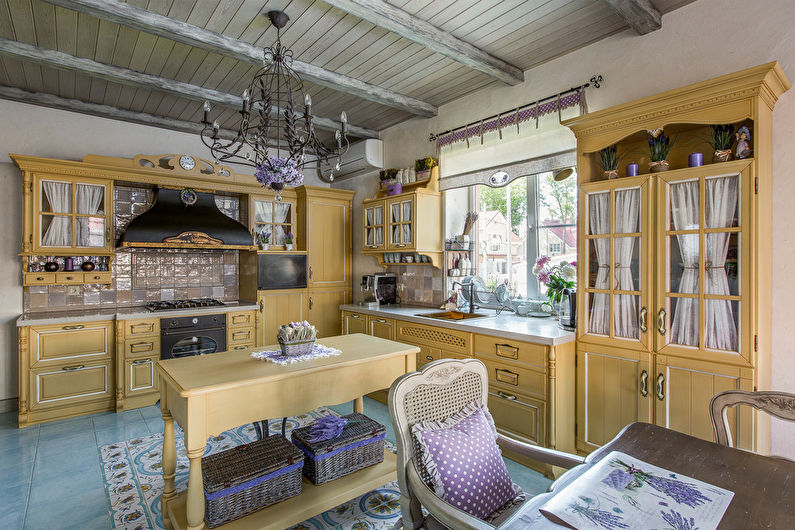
[59,231]
[684,200]
[90,231]
[281,210]
[599,224]
[627,221]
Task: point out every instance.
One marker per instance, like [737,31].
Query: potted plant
[555,277]
[659,148]
[288,241]
[722,140]
[389,181]
[609,156]
[423,167]
[276,172]
[264,239]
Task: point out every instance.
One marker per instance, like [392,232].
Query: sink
[452,315]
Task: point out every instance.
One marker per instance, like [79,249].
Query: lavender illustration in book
[623,492]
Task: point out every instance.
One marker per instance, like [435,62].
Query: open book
[623,492]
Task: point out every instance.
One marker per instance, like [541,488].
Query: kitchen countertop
[66,316]
[528,329]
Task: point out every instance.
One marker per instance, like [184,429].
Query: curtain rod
[595,81]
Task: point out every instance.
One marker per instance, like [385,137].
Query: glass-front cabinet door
[272,221]
[401,213]
[374,225]
[72,214]
[614,267]
[702,240]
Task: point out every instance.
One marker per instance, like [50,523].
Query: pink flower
[544,277]
[542,261]
[574,263]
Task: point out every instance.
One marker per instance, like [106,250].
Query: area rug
[133,480]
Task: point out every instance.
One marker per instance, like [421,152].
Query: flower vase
[264,246]
[611,174]
[288,246]
[721,155]
[658,166]
[394,188]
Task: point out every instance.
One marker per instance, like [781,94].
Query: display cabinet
[374,225]
[273,218]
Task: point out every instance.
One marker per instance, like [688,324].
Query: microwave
[281,271]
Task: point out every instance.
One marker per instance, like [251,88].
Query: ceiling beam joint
[641,15]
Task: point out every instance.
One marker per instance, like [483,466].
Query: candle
[632,170]
[695,160]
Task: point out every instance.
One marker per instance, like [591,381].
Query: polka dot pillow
[466,467]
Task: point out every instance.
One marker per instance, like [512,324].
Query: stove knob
[173,323]
[195,320]
[194,339]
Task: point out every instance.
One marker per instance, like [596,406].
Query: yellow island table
[209,394]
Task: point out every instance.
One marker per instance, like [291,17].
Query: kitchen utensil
[502,294]
[87,266]
[68,264]
[568,310]
[51,266]
[539,314]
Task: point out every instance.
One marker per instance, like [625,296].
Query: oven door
[184,343]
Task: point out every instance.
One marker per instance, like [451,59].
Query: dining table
[763,486]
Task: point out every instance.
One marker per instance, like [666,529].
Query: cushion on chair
[464,462]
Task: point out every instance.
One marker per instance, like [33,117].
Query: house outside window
[554,249]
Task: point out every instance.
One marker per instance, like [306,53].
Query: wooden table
[764,487]
[209,394]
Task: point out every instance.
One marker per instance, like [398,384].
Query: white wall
[702,40]
[31,130]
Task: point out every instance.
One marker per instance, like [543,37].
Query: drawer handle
[353,315]
[39,278]
[97,277]
[380,320]
[239,335]
[506,350]
[142,328]
[144,346]
[240,318]
[142,361]
[241,347]
[644,383]
[506,376]
[77,326]
[429,357]
[503,395]
[73,368]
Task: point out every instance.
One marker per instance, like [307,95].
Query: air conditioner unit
[363,157]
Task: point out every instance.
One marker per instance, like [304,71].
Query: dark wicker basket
[249,477]
[360,445]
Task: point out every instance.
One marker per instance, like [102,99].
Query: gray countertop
[508,325]
[66,316]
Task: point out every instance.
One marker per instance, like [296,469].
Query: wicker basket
[292,349]
[360,445]
[249,477]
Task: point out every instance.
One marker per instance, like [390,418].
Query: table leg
[169,465]
[195,503]
[358,405]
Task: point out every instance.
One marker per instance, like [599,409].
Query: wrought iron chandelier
[276,132]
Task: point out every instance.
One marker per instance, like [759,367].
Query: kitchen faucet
[471,287]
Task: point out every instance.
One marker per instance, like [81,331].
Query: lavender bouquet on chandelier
[276,172]
[555,277]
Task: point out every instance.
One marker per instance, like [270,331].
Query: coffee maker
[568,310]
[380,288]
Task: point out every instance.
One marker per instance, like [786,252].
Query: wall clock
[187,162]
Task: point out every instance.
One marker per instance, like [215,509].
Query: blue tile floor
[50,473]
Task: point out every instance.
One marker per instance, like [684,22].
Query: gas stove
[169,305]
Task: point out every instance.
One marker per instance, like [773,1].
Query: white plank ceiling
[524,33]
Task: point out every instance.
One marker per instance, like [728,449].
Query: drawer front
[445,339]
[243,346]
[69,278]
[426,355]
[511,376]
[101,277]
[140,376]
[136,347]
[141,328]
[238,336]
[242,318]
[518,416]
[534,355]
[381,327]
[353,323]
[86,342]
[38,278]
[70,384]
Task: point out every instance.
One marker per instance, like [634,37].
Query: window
[530,216]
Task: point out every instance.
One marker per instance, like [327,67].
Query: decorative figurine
[743,149]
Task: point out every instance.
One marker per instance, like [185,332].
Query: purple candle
[632,170]
[695,160]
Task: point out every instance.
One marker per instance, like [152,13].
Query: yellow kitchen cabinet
[374,224]
[323,309]
[674,278]
[326,234]
[137,349]
[381,327]
[241,330]
[279,307]
[409,222]
[354,323]
[139,378]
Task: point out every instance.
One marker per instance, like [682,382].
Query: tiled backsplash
[143,275]
[419,284]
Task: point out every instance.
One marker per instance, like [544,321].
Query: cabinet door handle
[142,361]
[644,383]
[642,319]
[661,321]
[107,235]
[372,246]
[73,368]
[509,397]
[77,326]
[353,315]
[261,306]
[506,350]
[310,272]
[661,387]
[400,245]
[311,302]
[506,376]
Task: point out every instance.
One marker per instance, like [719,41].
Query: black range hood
[185,219]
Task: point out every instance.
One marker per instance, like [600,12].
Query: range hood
[185,219]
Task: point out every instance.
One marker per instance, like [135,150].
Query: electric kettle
[568,310]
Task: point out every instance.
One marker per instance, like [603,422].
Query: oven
[194,335]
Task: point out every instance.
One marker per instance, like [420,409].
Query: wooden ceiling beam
[641,15]
[415,29]
[64,61]
[176,30]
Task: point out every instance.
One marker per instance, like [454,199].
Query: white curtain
[721,200]
[627,216]
[59,195]
[599,219]
[280,211]
[88,199]
[685,216]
